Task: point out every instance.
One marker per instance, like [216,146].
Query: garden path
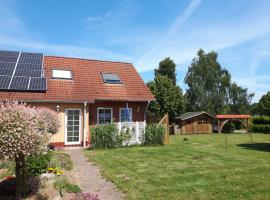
[89,178]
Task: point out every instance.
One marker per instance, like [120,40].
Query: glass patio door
[73,126]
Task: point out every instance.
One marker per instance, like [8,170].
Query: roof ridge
[88,59]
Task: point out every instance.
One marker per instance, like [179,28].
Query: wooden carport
[223,119]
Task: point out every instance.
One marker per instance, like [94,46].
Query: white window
[61,74]
[125,115]
[104,115]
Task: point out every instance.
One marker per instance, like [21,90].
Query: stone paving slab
[89,178]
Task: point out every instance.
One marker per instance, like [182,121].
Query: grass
[199,167]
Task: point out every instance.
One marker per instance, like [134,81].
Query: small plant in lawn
[62,184]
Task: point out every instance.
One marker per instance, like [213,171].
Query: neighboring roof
[233,116]
[189,115]
[87,84]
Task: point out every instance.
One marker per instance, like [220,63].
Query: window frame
[62,78]
[131,114]
[100,108]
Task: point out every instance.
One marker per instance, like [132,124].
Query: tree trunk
[20,176]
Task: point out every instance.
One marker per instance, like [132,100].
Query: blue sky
[145,32]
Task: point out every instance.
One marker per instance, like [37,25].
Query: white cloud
[182,45]
[175,26]
[91,21]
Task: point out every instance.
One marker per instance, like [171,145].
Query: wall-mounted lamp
[57,108]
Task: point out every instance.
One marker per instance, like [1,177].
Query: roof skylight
[111,78]
[61,74]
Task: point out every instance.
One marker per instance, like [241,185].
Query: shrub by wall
[107,136]
[261,124]
[154,134]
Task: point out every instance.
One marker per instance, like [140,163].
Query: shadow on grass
[256,146]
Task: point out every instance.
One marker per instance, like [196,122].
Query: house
[195,122]
[83,92]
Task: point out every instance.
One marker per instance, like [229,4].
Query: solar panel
[22,71]
[28,66]
[30,60]
[32,55]
[29,73]
[9,53]
[19,83]
[8,59]
[6,71]
[4,81]
[7,65]
[38,84]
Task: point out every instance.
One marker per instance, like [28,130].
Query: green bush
[154,135]
[106,136]
[38,164]
[261,120]
[260,128]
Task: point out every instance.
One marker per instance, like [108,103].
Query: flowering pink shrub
[24,131]
[19,131]
[48,120]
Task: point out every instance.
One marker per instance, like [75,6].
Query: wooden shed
[195,122]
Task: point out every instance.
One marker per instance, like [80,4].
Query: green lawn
[199,168]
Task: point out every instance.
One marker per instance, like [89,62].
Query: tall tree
[239,99]
[167,68]
[263,106]
[169,98]
[208,84]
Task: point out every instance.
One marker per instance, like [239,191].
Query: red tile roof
[87,84]
[233,116]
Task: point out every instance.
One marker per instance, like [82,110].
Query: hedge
[104,136]
[260,128]
[154,135]
[108,136]
[260,124]
[261,120]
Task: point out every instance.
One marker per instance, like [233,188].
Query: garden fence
[136,129]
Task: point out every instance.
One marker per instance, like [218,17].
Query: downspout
[84,124]
[145,112]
